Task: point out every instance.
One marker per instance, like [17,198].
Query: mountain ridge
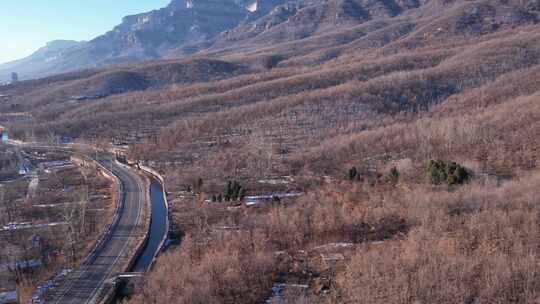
[137,38]
[220,28]
[185,27]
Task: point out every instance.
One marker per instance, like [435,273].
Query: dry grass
[231,271]
[477,244]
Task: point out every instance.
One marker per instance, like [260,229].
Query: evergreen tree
[394,175]
[352,174]
[199,183]
[451,173]
[228,191]
[234,191]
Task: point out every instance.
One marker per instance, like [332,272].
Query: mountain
[45,59]
[375,57]
[186,27]
[301,19]
[138,38]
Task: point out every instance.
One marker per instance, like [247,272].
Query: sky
[27,25]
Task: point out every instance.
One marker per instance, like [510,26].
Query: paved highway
[88,283]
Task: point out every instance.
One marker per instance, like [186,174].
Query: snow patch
[252,203]
[272,195]
[33,263]
[33,186]
[253,200]
[276,181]
[21,226]
[278,290]
[335,245]
[8,297]
[51,59]
[332,257]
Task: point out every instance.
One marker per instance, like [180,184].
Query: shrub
[393,175]
[228,272]
[451,173]
[270,62]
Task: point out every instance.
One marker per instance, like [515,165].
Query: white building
[3,134]
[14,77]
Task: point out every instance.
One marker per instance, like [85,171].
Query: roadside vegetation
[52,211]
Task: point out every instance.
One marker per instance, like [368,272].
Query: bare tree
[52,139]
[71,216]
[83,201]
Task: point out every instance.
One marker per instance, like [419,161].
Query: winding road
[89,283]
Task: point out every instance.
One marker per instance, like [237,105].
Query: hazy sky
[26,25]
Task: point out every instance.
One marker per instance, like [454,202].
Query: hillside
[410,128]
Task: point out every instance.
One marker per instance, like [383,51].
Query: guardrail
[109,298]
[141,246]
[105,294]
[110,227]
[119,207]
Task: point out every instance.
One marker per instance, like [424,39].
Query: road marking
[139,187]
[95,290]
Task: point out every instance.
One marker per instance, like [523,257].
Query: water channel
[158,228]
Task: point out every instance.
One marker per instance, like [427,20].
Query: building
[14,77]
[3,134]
[23,169]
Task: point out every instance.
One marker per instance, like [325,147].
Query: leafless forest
[412,142]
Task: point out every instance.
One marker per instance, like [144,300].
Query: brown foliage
[479,244]
[229,272]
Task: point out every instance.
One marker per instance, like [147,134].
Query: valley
[317,151]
